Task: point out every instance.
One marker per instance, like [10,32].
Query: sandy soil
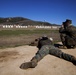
[12,58]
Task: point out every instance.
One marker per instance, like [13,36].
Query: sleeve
[62,30]
[69,29]
[39,46]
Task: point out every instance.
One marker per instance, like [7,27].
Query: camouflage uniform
[62,36]
[47,48]
[68,36]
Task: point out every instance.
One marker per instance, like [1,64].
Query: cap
[69,21]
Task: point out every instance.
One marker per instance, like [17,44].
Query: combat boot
[62,47]
[31,64]
[74,47]
[26,65]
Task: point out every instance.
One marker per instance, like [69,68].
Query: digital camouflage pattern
[45,47]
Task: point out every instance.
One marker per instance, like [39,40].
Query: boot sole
[26,65]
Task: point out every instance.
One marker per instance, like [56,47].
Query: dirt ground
[12,58]
[24,39]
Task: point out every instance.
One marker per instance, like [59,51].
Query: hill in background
[22,21]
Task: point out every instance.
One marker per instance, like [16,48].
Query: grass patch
[26,32]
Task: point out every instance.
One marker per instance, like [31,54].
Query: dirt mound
[12,58]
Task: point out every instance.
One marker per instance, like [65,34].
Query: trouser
[67,40]
[49,49]
[70,41]
[62,36]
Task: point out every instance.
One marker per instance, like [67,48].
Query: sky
[53,11]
